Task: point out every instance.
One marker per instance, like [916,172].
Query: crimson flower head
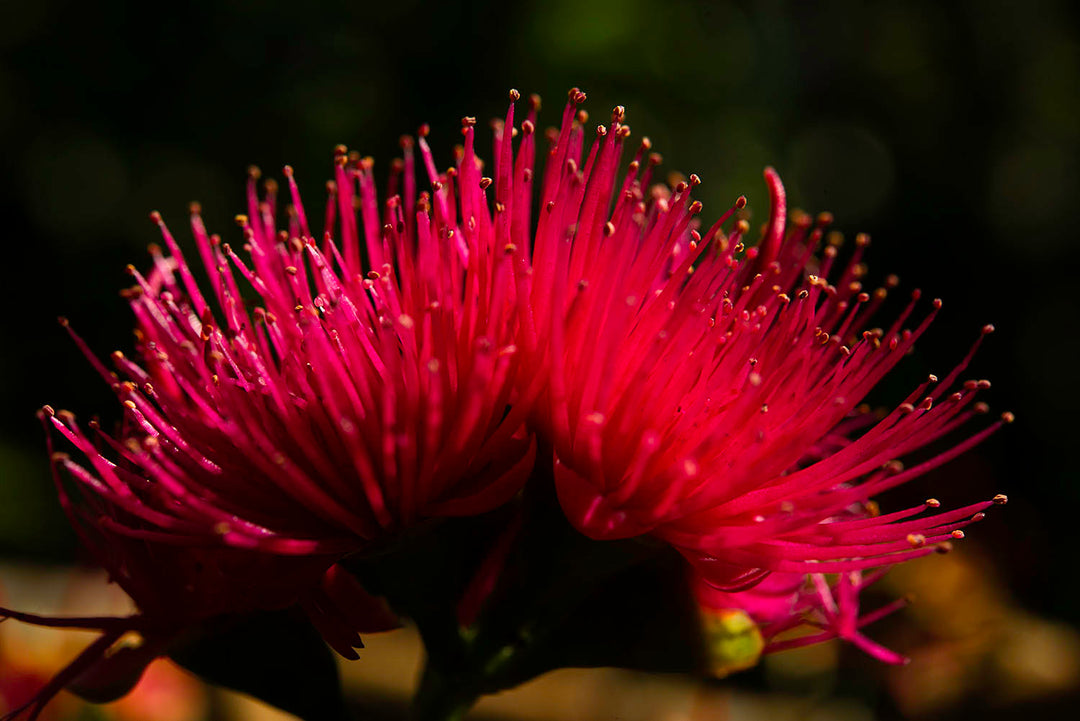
[321,394]
[706,388]
[318,395]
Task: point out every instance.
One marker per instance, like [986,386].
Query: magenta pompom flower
[337,407]
[347,404]
[708,393]
[319,395]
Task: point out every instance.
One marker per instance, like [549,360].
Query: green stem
[551,569]
[443,697]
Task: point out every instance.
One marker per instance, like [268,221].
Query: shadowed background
[946,131]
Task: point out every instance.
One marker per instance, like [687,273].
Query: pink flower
[363,390]
[793,610]
[345,405]
[708,393]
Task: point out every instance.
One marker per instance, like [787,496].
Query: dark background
[948,131]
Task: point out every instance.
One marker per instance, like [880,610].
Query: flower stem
[442,696]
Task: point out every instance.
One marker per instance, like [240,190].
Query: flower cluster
[323,392]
